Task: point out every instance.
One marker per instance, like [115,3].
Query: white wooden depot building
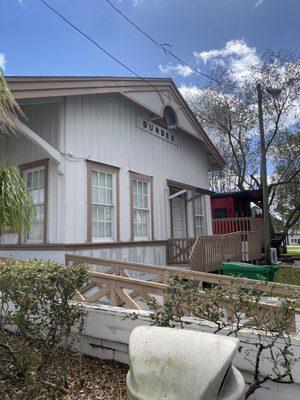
[115,166]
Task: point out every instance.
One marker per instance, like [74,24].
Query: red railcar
[231,212]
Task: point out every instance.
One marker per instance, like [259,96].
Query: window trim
[94,165]
[31,165]
[148,179]
[195,197]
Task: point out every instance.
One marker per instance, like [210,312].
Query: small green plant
[36,304]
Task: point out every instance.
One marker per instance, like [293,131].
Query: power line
[103,49]
[167,48]
[100,47]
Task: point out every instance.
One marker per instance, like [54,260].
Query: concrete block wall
[107,335]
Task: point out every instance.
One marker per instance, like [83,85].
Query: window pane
[95,198]
[29,180]
[101,230]
[42,178]
[141,214]
[94,178]
[140,187]
[138,217]
[35,182]
[199,225]
[109,199]
[145,202]
[35,196]
[101,176]
[102,220]
[35,232]
[101,196]
[145,230]
[108,230]
[109,180]
[41,195]
[107,213]
[199,206]
[40,214]
[134,186]
[145,188]
[135,200]
[100,213]
[102,204]
[35,179]
[139,201]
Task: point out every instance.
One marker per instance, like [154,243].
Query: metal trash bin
[176,364]
[249,271]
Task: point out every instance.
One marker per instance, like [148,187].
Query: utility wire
[103,49]
[167,48]
[109,54]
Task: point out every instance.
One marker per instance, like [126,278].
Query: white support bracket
[42,144]
[172,196]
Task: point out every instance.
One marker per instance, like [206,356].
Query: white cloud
[2,60]
[236,54]
[258,3]
[189,91]
[293,116]
[21,2]
[178,69]
[136,3]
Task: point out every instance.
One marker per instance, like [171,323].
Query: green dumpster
[249,271]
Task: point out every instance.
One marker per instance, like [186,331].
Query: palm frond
[16,206]
[9,108]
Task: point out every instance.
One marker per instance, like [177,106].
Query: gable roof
[31,87]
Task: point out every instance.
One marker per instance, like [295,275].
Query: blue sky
[35,42]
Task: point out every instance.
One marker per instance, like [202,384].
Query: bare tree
[285,190]
[227,109]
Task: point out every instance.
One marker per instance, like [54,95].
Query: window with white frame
[199,215]
[35,183]
[103,214]
[141,209]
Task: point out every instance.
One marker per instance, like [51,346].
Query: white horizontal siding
[103,128]
[43,119]
[141,254]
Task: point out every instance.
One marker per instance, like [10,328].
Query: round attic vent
[170,117]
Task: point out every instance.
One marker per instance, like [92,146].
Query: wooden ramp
[206,252]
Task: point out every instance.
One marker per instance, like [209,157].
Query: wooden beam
[42,144]
[172,196]
[127,299]
[96,296]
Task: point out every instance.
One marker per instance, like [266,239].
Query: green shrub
[231,308]
[36,304]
